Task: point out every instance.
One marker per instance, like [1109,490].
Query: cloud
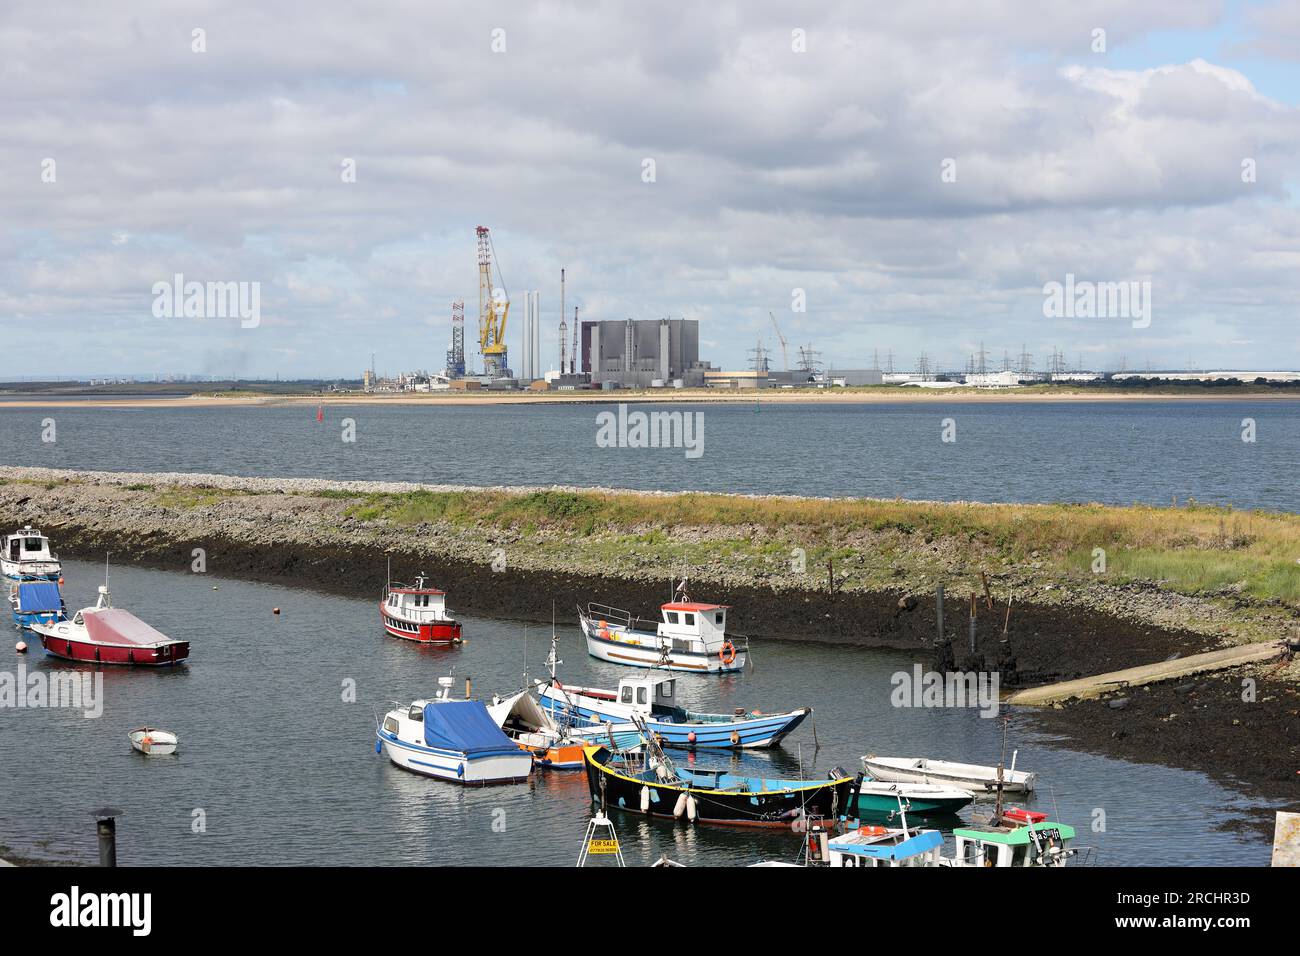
[775,170]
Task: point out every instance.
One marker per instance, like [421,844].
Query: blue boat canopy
[465,726]
[912,846]
[39,596]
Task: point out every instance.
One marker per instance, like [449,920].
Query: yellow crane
[491,312]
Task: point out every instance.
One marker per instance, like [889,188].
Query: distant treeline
[1138,384]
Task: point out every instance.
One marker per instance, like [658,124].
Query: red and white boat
[104,634]
[418,613]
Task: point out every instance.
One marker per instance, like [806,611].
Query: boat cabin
[27,545]
[1032,841]
[417,604]
[701,628]
[877,846]
[651,697]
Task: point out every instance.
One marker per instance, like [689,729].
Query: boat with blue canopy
[456,740]
[37,602]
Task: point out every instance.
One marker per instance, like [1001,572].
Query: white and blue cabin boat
[26,556]
[652,700]
[690,636]
[455,740]
[36,602]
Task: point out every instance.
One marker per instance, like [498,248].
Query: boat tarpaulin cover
[39,596]
[466,726]
[116,626]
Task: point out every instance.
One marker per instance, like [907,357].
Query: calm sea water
[1112,453]
[284,770]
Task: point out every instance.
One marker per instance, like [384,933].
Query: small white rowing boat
[967,776]
[153,742]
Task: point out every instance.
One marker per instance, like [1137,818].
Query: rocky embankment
[527,550]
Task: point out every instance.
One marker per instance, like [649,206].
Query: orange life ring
[727,652]
[873,830]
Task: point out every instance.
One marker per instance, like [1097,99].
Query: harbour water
[1113,453]
[280,767]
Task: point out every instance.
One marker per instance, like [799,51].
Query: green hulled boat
[875,800]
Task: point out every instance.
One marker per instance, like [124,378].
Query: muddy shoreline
[295,539]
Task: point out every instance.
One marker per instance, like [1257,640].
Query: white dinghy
[153,742]
[947,773]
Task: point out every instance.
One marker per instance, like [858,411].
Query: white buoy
[645,799]
[690,808]
[21,647]
[680,807]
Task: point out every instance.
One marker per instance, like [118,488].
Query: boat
[690,636]
[554,743]
[644,780]
[25,555]
[1016,837]
[456,740]
[876,846]
[967,776]
[872,799]
[652,699]
[36,602]
[104,634]
[153,742]
[418,613]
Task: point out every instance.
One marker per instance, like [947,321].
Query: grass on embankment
[1194,549]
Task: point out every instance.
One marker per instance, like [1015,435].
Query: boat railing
[1084,856]
[619,617]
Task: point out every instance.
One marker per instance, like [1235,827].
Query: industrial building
[642,353]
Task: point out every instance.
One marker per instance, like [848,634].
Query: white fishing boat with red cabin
[104,634]
[418,613]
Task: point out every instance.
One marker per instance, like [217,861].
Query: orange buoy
[690,738]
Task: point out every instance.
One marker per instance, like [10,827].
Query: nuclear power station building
[643,353]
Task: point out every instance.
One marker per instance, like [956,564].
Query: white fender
[690,808]
[645,799]
[680,807]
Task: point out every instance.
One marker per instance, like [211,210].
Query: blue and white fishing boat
[455,740]
[25,555]
[36,602]
[651,699]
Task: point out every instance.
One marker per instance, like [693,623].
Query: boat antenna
[997,809]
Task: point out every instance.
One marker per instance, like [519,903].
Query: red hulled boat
[418,613]
[104,634]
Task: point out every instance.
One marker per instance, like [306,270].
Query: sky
[883,179]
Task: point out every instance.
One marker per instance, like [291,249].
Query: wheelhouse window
[640,695]
[415,713]
[32,544]
[718,618]
[672,616]
[689,620]
[665,690]
[625,695]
